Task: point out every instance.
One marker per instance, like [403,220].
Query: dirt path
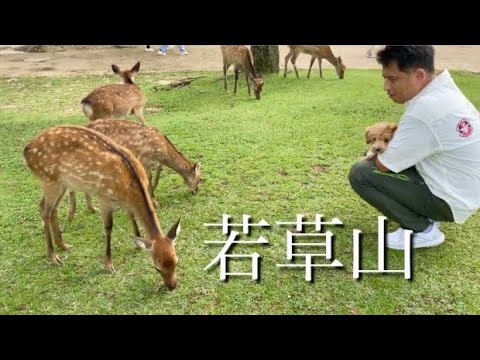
[97,59]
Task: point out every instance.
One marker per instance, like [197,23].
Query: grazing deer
[241,58]
[116,100]
[151,148]
[318,52]
[84,160]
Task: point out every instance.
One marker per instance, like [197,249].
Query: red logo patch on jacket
[464,128]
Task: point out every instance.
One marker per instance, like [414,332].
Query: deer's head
[163,254]
[257,86]
[340,67]
[194,179]
[128,76]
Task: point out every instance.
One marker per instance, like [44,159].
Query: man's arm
[413,141]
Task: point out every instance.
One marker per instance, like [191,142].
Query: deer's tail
[87,108]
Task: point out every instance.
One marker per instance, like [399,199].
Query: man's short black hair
[408,57]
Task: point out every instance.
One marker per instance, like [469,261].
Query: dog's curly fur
[377,137]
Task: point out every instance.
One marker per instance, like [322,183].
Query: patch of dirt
[319,168]
[79,59]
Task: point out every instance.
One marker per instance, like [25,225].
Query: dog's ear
[393,127]
[368,135]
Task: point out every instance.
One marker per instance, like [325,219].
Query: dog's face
[378,136]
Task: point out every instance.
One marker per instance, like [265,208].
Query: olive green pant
[403,197]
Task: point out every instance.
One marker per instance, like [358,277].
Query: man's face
[401,86]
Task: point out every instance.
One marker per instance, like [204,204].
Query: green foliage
[287,154]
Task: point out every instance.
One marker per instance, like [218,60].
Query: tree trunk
[266,58]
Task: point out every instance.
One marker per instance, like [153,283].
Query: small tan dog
[377,137]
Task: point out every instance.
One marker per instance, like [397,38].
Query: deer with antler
[80,159]
[317,52]
[116,100]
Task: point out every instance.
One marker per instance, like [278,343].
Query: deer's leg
[248,83]
[150,184]
[52,192]
[157,177]
[138,111]
[225,68]
[154,183]
[136,231]
[294,59]
[88,200]
[320,67]
[73,206]
[107,216]
[312,60]
[288,57]
[45,215]
[150,187]
[57,235]
[236,80]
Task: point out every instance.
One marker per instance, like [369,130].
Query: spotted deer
[77,158]
[116,100]
[317,52]
[152,148]
[241,58]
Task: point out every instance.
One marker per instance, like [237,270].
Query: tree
[266,58]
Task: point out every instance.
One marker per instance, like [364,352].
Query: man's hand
[380,166]
[373,157]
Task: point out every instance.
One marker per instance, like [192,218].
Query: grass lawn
[287,154]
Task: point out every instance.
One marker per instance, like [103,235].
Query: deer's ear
[115,69]
[174,231]
[197,167]
[136,68]
[142,243]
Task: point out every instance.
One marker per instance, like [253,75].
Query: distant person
[163,50]
[371,52]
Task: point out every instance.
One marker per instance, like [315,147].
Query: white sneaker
[433,237]
[436,222]
[160,52]
[148,49]
[184,53]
